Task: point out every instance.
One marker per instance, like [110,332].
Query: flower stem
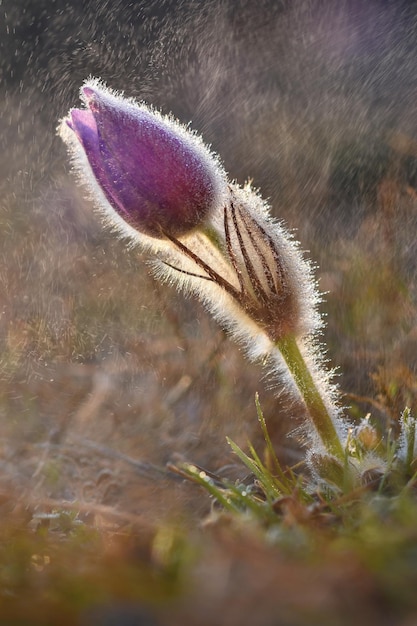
[293,358]
[311,395]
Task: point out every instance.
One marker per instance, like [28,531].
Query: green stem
[316,408]
[302,376]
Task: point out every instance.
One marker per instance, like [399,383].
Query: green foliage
[377,469]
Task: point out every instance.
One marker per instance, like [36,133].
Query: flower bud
[154,178]
[156,175]
[367,435]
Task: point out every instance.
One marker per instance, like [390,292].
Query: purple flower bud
[159,177]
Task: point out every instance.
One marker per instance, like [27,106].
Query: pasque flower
[159,184]
[159,177]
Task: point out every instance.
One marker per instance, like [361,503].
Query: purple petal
[83,123]
[158,179]
[156,176]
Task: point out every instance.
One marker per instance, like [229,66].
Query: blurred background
[101,367]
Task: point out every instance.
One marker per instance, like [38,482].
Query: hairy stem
[318,413]
[287,344]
